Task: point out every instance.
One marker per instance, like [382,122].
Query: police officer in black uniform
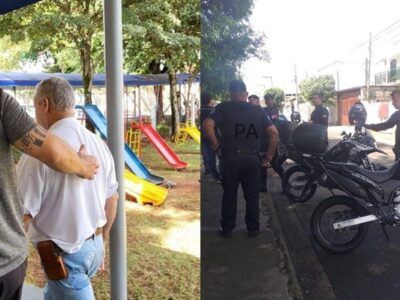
[241,125]
[273,113]
[255,100]
[320,115]
[271,109]
[394,120]
[208,154]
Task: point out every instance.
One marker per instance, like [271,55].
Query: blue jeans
[210,163]
[81,266]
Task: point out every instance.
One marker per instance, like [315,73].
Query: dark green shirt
[14,123]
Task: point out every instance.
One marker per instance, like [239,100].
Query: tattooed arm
[57,154]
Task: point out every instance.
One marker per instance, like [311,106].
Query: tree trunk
[179,101]
[158,91]
[87,76]
[188,102]
[174,101]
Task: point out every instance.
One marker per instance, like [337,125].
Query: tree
[323,85]
[165,34]
[12,54]
[277,95]
[227,41]
[58,29]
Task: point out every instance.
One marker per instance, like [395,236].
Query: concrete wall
[306,108]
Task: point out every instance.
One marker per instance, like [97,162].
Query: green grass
[163,243]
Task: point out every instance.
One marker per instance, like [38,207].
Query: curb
[309,279]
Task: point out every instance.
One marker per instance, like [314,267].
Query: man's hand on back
[89,162]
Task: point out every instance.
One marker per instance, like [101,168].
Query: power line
[375,36]
[384,32]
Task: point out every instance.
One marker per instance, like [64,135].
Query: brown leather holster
[52,261]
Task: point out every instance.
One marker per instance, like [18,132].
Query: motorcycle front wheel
[294,181]
[337,209]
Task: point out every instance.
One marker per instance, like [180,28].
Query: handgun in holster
[52,261]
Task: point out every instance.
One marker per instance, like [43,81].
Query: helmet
[295,117]
[357,114]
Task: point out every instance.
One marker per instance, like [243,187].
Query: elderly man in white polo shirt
[76,214]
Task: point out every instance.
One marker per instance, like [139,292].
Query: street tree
[323,85]
[277,95]
[12,54]
[163,36]
[228,40]
[61,29]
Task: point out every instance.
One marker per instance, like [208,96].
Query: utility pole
[339,105]
[295,82]
[368,67]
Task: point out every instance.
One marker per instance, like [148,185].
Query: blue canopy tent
[114,90]
[14,79]
[19,79]
[10,5]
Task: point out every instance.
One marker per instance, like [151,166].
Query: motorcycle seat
[377,176]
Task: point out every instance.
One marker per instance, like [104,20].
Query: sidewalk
[30,292]
[242,267]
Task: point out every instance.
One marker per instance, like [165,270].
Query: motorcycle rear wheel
[293,183]
[335,209]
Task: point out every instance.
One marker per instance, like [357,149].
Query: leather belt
[99,230]
[240,151]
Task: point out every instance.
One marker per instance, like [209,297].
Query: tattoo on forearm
[35,137]
[40,132]
[27,140]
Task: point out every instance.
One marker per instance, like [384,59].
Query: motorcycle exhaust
[352,222]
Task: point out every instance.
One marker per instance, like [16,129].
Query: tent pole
[115,132]
[193,110]
[140,105]
[153,113]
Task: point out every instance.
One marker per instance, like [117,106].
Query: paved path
[30,292]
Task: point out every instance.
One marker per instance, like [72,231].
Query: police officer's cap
[237,86]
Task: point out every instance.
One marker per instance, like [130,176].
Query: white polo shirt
[66,208]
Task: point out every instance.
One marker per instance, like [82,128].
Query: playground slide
[162,147]
[194,133]
[131,160]
[144,192]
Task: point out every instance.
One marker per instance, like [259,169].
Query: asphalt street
[372,271]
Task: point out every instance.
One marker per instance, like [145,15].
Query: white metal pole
[154,113]
[115,132]
[193,109]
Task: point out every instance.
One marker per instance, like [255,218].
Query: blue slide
[131,160]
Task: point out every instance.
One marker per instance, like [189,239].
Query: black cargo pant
[11,283]
[243,168]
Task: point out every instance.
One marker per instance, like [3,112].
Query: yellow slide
[144,192]
[194,133]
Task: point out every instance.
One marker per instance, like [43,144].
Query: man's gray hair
[59,92]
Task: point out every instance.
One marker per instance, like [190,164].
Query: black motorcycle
[299,182]
[340,223]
